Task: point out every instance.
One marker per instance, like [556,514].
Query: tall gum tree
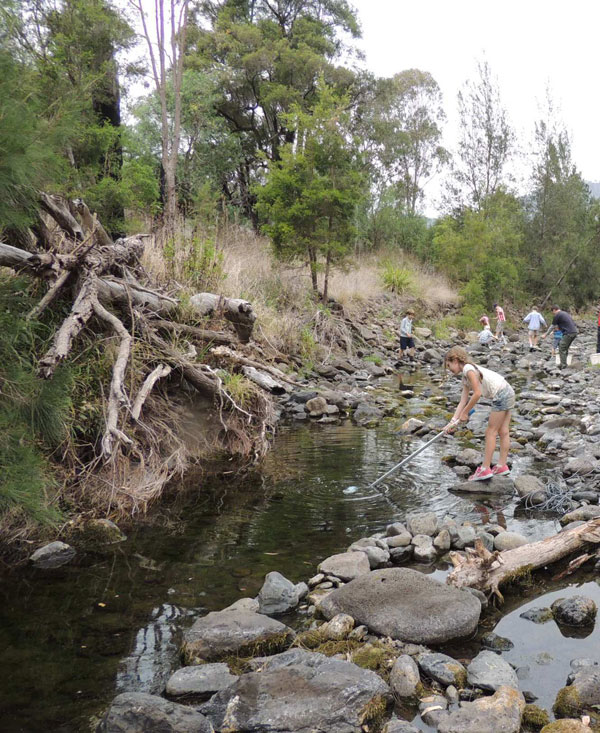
[486,142]
[268,55]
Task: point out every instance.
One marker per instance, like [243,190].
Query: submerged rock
[300,691]
[405,604]
[220,633]
[52,555]
[134,712]
[538,615]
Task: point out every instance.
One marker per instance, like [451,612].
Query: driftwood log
[236,311]
[487,571]
[264,380]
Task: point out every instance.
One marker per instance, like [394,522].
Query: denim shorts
[504,400]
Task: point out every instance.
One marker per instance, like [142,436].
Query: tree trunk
[312,259]
[487,571]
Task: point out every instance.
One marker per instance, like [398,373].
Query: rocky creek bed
[372,637]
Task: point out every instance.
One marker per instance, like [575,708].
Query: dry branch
[488,571]
[223,351]
[264,381]
[162,370]
[59,211]
[202,334]
[117,397]
[81,311]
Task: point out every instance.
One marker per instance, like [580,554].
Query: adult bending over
[562,321]
[481,382]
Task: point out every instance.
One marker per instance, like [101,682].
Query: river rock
[488,671]
[422,523]
[52,555]
[404,677]
[465,535]
[509,541]
[399,540]
[468,457]
[566,725]
[138,712]
[397,528]
[582,514]
[581,465]
[443,541]
[422,332]
[424,550]
[220,633]
[279,595]
[340,627]
[395,725]
[443,669]
[501,711]
[367,415]
[496,643]
[316,406]
[103,531]
[432,356]
[411,425]
[574,611]
[582,693]
[405,604]
[201,680]
[298,691]
[243,604]
[527,484]
[377,557]
[346,565]
[537,615]
[494,485]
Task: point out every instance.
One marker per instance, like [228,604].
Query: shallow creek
[72,638]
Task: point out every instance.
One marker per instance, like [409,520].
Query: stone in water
[351,490]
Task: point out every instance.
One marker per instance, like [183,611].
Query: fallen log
[237,311]
[223,351]
[487,571]
[202,334]
[264,381]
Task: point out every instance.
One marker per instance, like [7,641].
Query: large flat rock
[138,712]
[221,633]
[405,604]
[297,692]
[494,485]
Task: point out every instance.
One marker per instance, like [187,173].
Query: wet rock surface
[298,691]
[405,604]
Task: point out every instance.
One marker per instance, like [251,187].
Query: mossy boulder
[534,718]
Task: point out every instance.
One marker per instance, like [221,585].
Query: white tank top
[491,382]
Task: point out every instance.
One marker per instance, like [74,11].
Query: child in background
[486,336]
[484,320]
[481,382]
[534,321]
[501,318]
[407,343]
[556,342]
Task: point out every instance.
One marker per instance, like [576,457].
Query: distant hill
[594,188]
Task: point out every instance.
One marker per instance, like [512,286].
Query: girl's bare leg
[494,424]
[504,437]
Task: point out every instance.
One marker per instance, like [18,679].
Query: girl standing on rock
[480,382]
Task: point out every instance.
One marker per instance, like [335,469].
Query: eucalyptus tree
[267,56]
[486,142]
[406,122]
[309,200]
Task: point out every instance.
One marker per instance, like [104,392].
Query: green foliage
[308,202]
[397,279]
[34,414]
[203,265]
[240,389]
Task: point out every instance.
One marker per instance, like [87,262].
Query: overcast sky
[530,46]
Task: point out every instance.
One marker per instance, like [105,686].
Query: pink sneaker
[481,474]
[500,470]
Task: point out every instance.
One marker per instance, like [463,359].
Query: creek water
[74,637]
